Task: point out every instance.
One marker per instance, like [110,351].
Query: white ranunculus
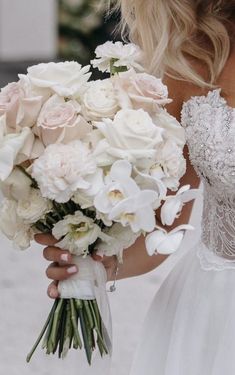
[118,239]
[16,186]
[64,78]
[170,165]
[14,148]
[63,169]
[123,55]
[173,129]
[60,121]
[13,226]
[100,100]
[78,232]
[132,135]
[33,208]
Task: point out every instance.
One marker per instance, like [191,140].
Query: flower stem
[29,356]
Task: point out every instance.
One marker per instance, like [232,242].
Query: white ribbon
[88,284]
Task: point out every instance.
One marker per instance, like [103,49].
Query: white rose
[63,78]
[63,169]
[20,105]
[100,100]
[78,232]
[140,90]
[122,55]
[13,227]
[132,135]
[173,129]
[16,186]
[170,166]
[33,208]
[14,149]
[60,121]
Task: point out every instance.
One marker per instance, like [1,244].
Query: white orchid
[119,185]
[165,243]
[123,201]
[173,205]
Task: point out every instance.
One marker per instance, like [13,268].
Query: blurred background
[52,30]
[46,30]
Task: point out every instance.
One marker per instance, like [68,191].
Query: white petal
[161,242]
[170,209]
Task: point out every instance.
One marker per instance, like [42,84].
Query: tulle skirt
[190,327]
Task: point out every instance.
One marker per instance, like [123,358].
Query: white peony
[122,55]
[16,186]
[63,169]
[132,135]
[78,232]
[63,78]
[13,226]
[100,100]
[33,208]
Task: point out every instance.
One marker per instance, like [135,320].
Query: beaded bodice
[210,132]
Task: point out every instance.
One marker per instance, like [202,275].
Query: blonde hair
[176,33]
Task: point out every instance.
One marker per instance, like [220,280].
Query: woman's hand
[62,266]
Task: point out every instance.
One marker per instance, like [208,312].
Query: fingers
[52,290]
[54,254]
[96,257]
[45,239]
[59,273]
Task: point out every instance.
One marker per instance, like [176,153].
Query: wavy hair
[176,33]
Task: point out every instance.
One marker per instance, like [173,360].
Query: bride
[190,328]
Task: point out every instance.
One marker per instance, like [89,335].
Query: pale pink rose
[60,121]
[19,105]
[141,90]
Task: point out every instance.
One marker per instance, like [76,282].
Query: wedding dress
[190,328]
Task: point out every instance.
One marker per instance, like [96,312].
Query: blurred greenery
[84,24]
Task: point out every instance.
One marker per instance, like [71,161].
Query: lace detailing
[210,131]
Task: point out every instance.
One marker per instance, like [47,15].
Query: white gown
[190,328]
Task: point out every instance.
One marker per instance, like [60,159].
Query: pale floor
[24,307]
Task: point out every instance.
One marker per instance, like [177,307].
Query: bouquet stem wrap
[81,316]
[90,284]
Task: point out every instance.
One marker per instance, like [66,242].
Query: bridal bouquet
[90,162]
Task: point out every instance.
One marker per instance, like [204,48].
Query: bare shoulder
[180,92]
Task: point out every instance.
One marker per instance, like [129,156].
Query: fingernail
[53,293]
[72,269]
[64,257]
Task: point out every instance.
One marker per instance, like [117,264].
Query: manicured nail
[53,293]
[64,257]
[72,269]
